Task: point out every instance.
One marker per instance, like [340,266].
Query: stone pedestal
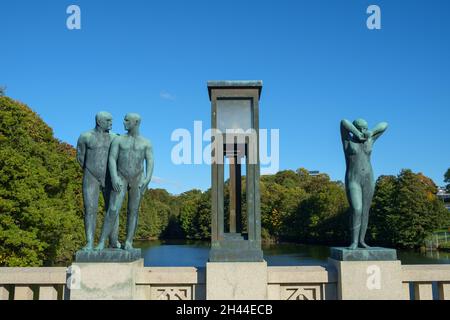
[108,255]
[360,254]
[104,281]
[236,280]
[369,280]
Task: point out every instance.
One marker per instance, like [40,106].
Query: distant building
[444,196]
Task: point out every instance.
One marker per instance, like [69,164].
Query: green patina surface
[362,254]
[108,255]
[113,164]
[358,142]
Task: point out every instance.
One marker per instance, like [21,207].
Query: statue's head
[361,125]
[103,120]
[131,121]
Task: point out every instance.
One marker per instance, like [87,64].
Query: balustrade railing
[420,282]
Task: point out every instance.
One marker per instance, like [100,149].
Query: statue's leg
[115,203]
[354,194]
[114,236]
[134,200]
[368,190]
[91,190]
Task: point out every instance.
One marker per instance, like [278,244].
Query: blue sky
[317,59]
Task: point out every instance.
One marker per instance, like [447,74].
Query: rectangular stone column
[406,291]
[143,292]
[444,290]
[273,292]
[369,280]
[104,281]
[423,291]
[23,293]
[236,280]
[4,292]
[48,292]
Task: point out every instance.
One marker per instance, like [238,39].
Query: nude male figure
[358,142]
[126,166]
[92,155]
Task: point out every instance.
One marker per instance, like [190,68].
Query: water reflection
[184,253]
[428,257]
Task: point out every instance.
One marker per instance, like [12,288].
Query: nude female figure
[358,142]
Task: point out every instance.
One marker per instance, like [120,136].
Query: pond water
[184,253]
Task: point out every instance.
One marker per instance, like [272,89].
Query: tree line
[41,208]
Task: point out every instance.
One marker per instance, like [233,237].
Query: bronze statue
[126,167]
[358,142]
[92,155]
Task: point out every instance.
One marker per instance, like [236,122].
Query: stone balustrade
[425,282]
[171,283]
[420,282]
[33,283]
[302,283]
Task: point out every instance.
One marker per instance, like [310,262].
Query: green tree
[278,204]
[319,217]
[382,208]
[405,210]
[297,206]
[447,179]
[189,202]
[202,220]
[40,191]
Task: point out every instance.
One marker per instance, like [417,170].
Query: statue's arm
[81,150]
[379,130]
[149,165]
[345,135]
[112,164]
[346,128]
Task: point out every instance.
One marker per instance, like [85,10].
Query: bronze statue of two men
[113,164]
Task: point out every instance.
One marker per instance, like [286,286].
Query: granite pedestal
[361,254]
[367,274]
[108,255]
[104,280]
[105,274]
